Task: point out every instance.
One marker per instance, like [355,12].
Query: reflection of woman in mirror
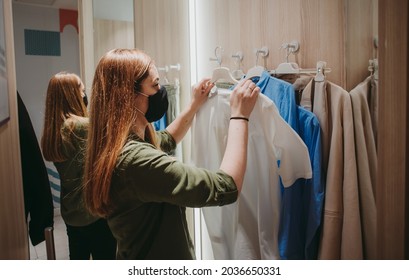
[63,143]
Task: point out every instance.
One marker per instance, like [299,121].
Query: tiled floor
[39,251]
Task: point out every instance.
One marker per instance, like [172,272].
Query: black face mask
[158,105]
[85,99]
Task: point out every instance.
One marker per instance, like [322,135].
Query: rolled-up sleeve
[166,141]
[152,176]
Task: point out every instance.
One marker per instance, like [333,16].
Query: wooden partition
[392,194]
[361,39]
[110,34]
[13,228]
[162,30]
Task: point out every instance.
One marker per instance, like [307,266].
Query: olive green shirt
[150,191]
[71,173]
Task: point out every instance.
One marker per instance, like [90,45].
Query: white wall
[34,71]
[113,10]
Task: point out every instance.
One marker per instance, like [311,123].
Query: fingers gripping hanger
[257,70]
[221,73]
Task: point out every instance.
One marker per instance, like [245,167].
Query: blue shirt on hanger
[302,203]
[161,123]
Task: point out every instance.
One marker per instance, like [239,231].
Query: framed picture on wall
[4,96]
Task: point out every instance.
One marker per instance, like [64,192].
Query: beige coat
[362,96]
[341,236]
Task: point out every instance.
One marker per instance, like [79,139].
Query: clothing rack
[292,68]
[224,73]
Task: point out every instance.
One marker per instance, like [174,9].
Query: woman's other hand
[200,92]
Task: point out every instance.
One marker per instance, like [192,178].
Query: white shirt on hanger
[248,229]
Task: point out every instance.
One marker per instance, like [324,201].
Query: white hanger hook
[263,52]
[291,48]
[218,51]
[218,56]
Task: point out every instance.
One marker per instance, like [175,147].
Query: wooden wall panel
[162,30]
[110,34]
[13,233]
[86,41]
[393,135]
[361,31]
[319,26]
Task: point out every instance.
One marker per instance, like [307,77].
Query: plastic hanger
[373,67]
[373,63]
[293,68]
[223,74]
[257,70]
[320,71]
[238,74]
[286,68]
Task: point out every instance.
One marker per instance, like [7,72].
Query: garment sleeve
[153,176]
[38,200]
[167,143]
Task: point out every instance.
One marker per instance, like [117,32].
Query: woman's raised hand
[243,98]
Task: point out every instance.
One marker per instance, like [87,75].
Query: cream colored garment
[341,236]
[366,164]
